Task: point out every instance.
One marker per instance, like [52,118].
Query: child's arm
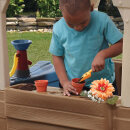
[58,62]
[99,61]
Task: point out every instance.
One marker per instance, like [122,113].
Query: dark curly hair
[73,5]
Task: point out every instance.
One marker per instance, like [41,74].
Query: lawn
[37,51]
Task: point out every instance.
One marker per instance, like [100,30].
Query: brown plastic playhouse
[29,110]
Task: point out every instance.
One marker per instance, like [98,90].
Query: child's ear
[92,7]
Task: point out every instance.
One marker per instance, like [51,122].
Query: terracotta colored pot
[41,85]
[78,86]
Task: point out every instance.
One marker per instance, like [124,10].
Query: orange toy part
[86,75]
[102,89]
[78,86]
[41,85]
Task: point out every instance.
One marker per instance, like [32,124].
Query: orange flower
[102,89]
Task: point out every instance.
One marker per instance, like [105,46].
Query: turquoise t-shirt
[80,48]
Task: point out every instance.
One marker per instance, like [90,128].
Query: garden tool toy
[85,76]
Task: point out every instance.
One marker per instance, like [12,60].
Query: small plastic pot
[78,86]
[41,85]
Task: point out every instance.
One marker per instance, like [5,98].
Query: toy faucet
[20,66]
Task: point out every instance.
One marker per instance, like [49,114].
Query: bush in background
[48,8]
[30,5]
[15,8]
[41,8]
[108,7]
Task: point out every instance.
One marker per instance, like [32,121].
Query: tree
[15,8]
[30,6]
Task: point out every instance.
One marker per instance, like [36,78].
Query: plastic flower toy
[101,90]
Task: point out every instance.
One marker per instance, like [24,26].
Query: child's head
[76,13]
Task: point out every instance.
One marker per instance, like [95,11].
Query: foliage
[30,6]
[112,100]
[42,8]
[15,8]
[108,7]
[48,8]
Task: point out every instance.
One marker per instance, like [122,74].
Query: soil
[27,87]
[80,82]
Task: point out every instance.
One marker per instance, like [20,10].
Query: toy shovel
[86,76]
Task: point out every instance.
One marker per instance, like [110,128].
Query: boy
[80,42]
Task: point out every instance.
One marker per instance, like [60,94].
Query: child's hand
[68,88]
[98,63]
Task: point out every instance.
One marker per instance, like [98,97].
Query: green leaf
[112,100]
[21,0]
[84,94]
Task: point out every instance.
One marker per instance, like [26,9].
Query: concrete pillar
[124,8]
[4,65]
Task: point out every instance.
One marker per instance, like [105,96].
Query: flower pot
[78,86]
[41,85]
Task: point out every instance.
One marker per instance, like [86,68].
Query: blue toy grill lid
[21,44]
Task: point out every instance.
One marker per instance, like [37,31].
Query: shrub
[15,8]
[30,5]
[48,8]
[108,7]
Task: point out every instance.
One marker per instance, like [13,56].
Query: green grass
[118,57]
[37,51]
